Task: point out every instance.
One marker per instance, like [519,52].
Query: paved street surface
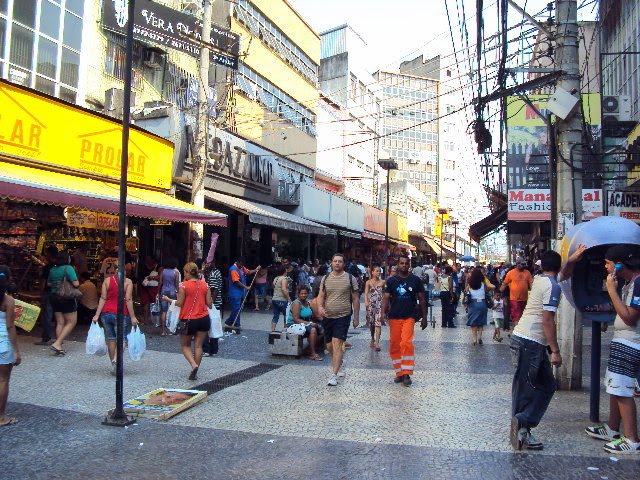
[274,417]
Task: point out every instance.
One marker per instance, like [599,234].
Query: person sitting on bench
[301,313]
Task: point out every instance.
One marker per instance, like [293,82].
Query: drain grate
[236,377]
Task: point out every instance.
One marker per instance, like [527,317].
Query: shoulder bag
[66,290]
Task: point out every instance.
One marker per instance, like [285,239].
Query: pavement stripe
[236,378]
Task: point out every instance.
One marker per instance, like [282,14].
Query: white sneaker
[623,446]
[333,381]
[342,372]
[602,432]
[113,368]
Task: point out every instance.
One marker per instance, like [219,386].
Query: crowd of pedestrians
[321,302]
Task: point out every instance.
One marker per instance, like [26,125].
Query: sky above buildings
[403,29]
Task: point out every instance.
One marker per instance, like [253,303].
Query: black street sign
[172,29]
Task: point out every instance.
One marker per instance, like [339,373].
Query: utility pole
[199,157]
[569,185]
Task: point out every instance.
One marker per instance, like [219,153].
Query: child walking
[498,316]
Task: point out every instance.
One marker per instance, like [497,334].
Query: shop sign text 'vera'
[234,160]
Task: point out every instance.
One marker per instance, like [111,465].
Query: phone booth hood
[584,291]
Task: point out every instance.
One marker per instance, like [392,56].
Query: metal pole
[594,389]
[455,241]
[386,230]
[118,418]
[569,184]
[441,235]
[199,159]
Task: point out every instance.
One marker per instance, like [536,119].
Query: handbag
[488,297]
[155,307]
[66,291]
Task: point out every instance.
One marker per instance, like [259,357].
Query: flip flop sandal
[58,351]
[11,421]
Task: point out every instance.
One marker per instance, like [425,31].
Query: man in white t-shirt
[534,348]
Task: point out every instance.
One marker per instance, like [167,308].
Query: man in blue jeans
[534,348]
[238,289]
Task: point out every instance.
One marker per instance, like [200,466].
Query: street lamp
[455,224]
[387,164]
[442,212]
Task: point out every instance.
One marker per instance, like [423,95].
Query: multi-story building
[619,44]
[409,125]
[458,166]
[276,86]
[349,114]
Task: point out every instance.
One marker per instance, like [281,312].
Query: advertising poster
[528,159]
[163,403]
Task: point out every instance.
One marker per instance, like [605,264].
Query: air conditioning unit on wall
[616,108]
[616,116]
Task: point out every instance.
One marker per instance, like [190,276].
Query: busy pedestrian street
[274,417]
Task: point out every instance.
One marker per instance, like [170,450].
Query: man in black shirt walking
[402,293]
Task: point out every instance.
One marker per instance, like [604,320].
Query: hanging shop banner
[46,131]
[153,22]
[89,219]
[624,204]
[528,153]
[535,204]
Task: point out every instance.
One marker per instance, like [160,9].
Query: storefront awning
[490,223]
[400,243]
[18,182]
[269,216]
[372,235]
[433,245]
[347,233]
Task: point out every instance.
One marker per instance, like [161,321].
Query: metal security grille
[235,378]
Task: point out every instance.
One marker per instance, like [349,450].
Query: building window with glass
[40,42]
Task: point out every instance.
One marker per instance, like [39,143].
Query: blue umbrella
[467,258]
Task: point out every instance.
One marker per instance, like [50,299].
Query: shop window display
[26,229]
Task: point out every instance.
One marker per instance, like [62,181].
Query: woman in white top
[622,262]
[9,351]
[477,287]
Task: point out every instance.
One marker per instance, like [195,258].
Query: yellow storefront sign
[90,219]
[519,114]
[52,133]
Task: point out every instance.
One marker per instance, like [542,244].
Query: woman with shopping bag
[194,301]
[107,311]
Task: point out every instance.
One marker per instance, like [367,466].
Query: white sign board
[624,204]
[535,204]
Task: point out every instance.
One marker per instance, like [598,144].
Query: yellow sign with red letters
[49,132]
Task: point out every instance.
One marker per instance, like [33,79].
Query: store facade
[343,216]
[59,184]
[247,183]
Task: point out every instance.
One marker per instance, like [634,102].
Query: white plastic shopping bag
[96,344]
[215,331]
[137,344]
[287,313]
[173,317]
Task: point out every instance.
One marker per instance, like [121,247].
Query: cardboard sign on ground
[163,403]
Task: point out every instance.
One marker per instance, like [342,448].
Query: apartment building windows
[275,100]
[267,31]
[44,38]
